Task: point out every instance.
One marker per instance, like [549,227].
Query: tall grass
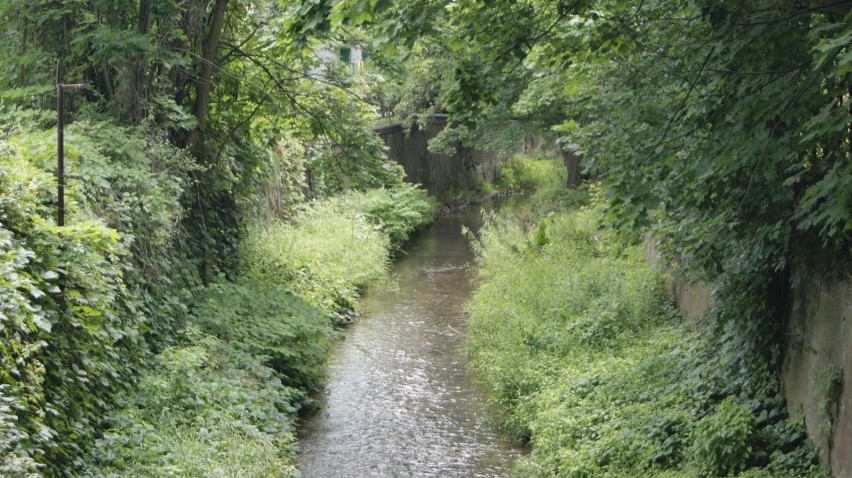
[586,359]
[397,212]
[325,256]
[526,173]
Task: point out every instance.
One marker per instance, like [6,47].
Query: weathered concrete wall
[818,339]
[692,297]
[438,173]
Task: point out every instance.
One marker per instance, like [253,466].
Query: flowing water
[400,400]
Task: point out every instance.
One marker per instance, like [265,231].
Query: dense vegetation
[221,181]
[586,359]
[82,304]
[79,321]
[723,128]
[239,394]
[197,132]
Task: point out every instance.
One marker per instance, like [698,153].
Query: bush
[397,212]
[585,358]
[326,256]
[271,322]
[721,442]
[206,409]
[526,173]
[68,338]
[15,462]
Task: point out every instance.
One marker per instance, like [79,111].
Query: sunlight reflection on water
[400,401]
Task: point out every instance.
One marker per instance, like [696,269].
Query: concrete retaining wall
[438,173]
[692,297]
[817,345]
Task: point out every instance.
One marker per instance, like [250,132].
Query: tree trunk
[572,165]
[203,84]
[139,66]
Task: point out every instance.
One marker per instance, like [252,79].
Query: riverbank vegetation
[720,129]
[239,389]
[207,256]
[177,273]
[227,202]
[239,356]
[586,359]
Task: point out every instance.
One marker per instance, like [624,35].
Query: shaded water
[400,400]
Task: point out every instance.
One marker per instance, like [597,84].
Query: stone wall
[438,173]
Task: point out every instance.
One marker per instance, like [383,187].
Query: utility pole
[60,144]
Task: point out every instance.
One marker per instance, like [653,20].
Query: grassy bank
[126,350]
[586,359]
[223,401]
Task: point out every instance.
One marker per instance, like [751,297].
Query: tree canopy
[726,126]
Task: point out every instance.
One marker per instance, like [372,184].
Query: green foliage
[397,212]
[285,185]
[541,238]
[525,173]
[15,462]
[585,358]
[727,129]
[467,195]
[350,156]
[171,142]
[268,321]
[326,256]
[721,442]
[338,246]
[828,386]
[204,408]
[554,196]
[74,319]
[206,395]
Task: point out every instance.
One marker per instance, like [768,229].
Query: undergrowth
[271,322]
[397,212]
[586,360]
[526,173]
[81,305]
[325,256]
[337,247]
[224,404]
[205,408]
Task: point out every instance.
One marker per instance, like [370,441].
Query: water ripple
[400,401]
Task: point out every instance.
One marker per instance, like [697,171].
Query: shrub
[721,442]
[397,212]
[82,305]
[65,346]
[525,173]
[326,256]
[15,462]
[271,322]
[585,358]
[205,409]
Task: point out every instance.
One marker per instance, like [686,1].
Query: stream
[400,400]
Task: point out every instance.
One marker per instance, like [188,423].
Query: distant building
[352,55]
